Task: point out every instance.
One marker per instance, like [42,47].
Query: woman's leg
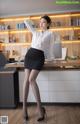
[25,91]
[32,81]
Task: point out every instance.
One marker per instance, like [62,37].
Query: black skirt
[34,59]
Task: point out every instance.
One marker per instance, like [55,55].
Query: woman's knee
[31,80]
[33,76]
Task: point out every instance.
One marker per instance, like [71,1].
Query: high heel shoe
[26,117]
[43,117]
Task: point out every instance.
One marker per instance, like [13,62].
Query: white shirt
[42,40]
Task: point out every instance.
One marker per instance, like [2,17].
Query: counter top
[50,65]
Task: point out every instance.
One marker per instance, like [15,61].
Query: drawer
[64,75]
[64,86]
[65,97]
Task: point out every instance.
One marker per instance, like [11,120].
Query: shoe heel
[44,115]
[26,117]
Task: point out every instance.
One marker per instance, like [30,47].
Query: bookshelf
[14,36]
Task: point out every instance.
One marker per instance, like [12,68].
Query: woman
[41,48]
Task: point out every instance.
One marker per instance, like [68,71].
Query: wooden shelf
[66,24]
[64,28]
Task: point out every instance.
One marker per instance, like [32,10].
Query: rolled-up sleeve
[29,25]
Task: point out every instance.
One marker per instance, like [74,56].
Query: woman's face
[43,24]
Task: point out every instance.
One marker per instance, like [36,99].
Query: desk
[50,64]
[59,81]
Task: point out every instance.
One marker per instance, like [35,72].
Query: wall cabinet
[55,86]
[14,36]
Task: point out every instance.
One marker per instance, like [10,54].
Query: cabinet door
[64,86]
[9,92]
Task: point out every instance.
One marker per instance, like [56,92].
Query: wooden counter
[59,82]
[51,64]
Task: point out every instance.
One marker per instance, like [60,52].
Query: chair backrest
[3,60]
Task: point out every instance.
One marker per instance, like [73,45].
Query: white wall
[29,7]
